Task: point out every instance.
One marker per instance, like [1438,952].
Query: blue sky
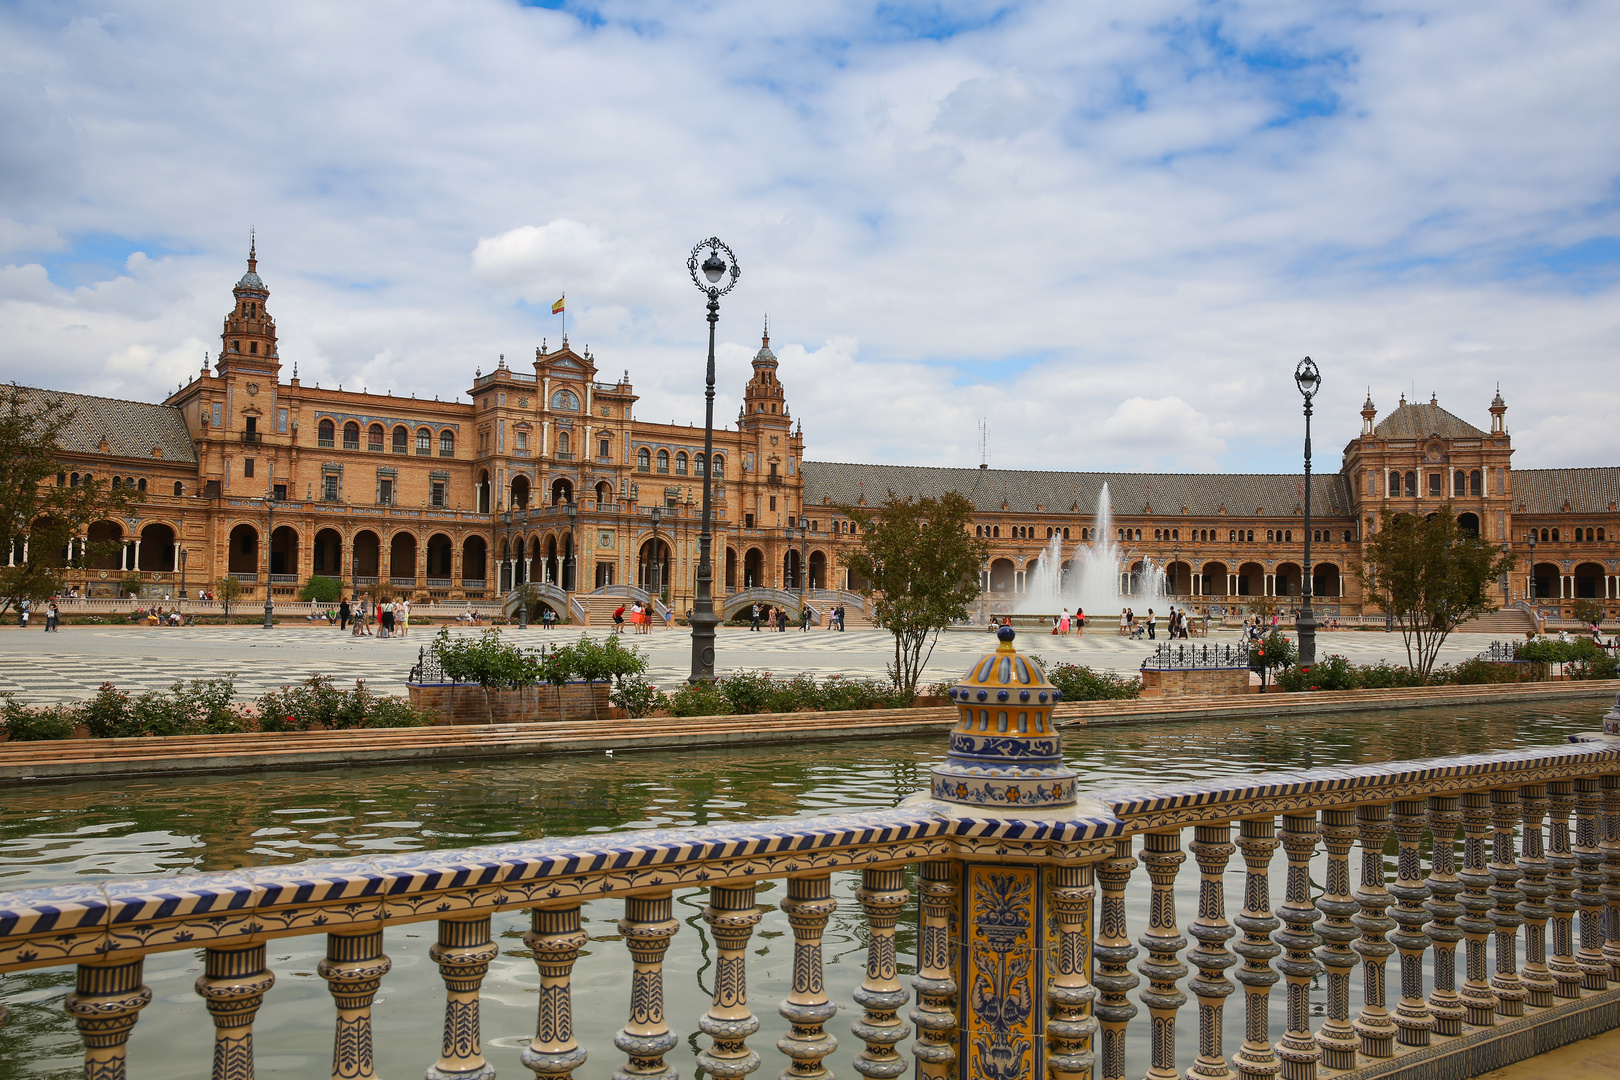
[1109,231]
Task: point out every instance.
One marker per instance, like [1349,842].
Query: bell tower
[248,340]
[1498,413]
[764,401]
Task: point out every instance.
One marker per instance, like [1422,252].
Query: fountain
[1098,578]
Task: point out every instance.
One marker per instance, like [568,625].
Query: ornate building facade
[548,476]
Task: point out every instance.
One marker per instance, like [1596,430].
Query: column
[106,1001]
[883,896]
[1070,1025]
[1212,847]
[1589,873]
[808,906]
[353,969]
[1505,874]
[233,984]
[1163,968]
[935,982]
[732,916]
[1610,847]
[647,927]
[1256,1060]
[555,938]
[1337,1037]
[177,563]
[1376,1029]
[135,556]
[1114,953]
[1538,981]
[1412,1017]
[1565,971]
[463,953]
[1477,998]
[1298,1051]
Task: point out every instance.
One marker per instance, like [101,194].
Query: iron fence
[1169,657]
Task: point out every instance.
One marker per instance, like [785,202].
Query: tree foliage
[39,517]
[921,563]
[227,590]
[1430,577]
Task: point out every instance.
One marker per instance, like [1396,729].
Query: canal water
[52,834]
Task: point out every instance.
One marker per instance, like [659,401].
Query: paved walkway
[72,663]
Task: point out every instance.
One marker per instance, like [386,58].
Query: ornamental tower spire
[248,340]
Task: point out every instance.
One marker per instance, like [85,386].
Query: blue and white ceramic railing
[1026,965]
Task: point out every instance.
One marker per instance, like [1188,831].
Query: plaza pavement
[72,663]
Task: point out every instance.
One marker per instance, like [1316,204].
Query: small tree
[322,590]
[41,518]
[1271,653]
[131,584]
[921,563]
[1430,576]
[1588,611]
[227,590]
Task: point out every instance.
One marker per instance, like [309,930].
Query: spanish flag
[556,309]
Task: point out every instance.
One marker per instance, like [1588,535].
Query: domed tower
[1498,413]
[1369,413]
[248,341]
[764,402]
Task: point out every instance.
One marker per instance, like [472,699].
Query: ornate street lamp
[714,270]
[182,573]
[1309,381]
[1530,578]
[269,542]
[571,568]
[654,572]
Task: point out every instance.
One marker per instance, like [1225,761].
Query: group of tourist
[53,615]
[774,618]
[391,618]
[1063,623]
[639,615]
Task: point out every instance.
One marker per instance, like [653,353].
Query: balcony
[564,455]
[402,582]
[349,444]
[246,577]
[252,438]
[472,583]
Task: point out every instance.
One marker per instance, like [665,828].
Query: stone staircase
[1508,622]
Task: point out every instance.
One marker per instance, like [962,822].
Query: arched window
[374,438]
[1555,536]
[401,439]
[1543,536]
[1288,536]
[1394,484]
[564,444]
[1411,485]
[719,465]
[1065,534]
[1250,540]
[447,444]
[1476,483]
[179,489]
[663,461]
[680,464]
[424,442]
[75,481]
[140,485]
[1600,536]
[117,483]
[698,463]
[643,460]
[565,401]
[327,434]
[351,436]
[1459,482]
[995,530]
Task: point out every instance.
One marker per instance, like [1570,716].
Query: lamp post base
[1306,626]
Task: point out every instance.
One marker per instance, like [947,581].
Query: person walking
[618,619]
[344,613]
[1151,634]
[22,614]
[754,616]
[385,620]
[1079,622]
[53,617]
[402,616]
[804,619]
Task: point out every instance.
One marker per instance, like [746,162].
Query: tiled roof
[1204,494]
[1588,491]
[1414,421]
[131,428]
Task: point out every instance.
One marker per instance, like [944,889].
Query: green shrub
[797,694]
[1478,672]
[748,692]
[1328,673]
[394,712]
[637,697]
[316,701]
[322,590]
[22,724]
[487,659]
[110,714]
[1385,676]
[839,693]
[1080,683]
[698,699]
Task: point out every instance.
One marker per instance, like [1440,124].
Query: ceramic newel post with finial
[1005,753]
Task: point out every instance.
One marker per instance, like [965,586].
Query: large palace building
[547,477]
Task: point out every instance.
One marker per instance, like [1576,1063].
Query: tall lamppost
[1530,578]
[1309,381]
[655,579]
[714,270]
[182,573]
[804,565]
[269,542]
[571,570]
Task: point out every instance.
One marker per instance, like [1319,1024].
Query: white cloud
[1079,223]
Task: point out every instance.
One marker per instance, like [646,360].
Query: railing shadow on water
[993,940]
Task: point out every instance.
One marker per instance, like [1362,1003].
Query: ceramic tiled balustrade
[1006,902]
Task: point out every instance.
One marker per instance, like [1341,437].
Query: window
[748,521]
[1250,540]
[1347,536]
[680,464]
[253,348]
[522,443]
[1065,534]
[1394,484]
[604,448]
[773,502]
[447,444]
[663,461]
[719,465]
[1436,482]
[329,488]
[327,434]
[1476,483]
[1156,535]
[1411,485]
[438,493]
[385,492]
[279,492]
[117,483]
[1459,482]
[424,442]
[565,401]
[236,346]
[401,439]
[1543,536]
[351,436]
[1288,536]
[247,466]
[1600,536]
[698,464]
[643,460]
[140,485]
[374,438]
[1555,536]
[179,489]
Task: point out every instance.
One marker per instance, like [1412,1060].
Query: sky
[1107,232]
